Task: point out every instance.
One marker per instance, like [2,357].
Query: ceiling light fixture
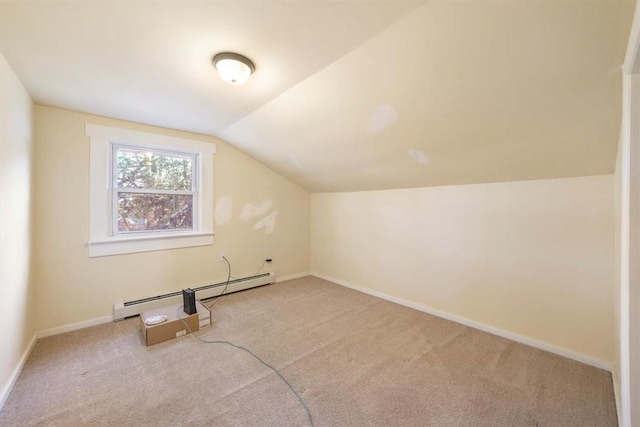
[233,68]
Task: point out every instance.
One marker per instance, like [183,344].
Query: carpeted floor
[355,359]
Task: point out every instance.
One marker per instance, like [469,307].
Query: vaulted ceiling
[347,95]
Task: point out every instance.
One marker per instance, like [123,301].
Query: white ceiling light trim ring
[233,68]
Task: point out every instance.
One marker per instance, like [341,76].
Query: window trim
[102,239]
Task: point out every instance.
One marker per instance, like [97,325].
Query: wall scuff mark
[224,210]
[268,223]
[251,211]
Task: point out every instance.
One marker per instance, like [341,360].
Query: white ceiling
[347,95]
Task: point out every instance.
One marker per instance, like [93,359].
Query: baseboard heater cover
[122,310]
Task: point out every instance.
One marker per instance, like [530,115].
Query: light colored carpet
[355,359]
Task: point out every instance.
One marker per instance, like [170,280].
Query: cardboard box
[174,326]
[204,315]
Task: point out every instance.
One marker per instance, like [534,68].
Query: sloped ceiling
[347,96]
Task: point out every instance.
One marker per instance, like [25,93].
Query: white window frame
[104,240]
[194,191]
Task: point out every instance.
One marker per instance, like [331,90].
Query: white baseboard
[616,395]
[477,325]
[291,277]
[106,319]
[6,390]
[74,326]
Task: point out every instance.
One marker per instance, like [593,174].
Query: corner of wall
[17,302]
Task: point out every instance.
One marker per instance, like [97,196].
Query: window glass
[154,170]
[154,212]
[154,190]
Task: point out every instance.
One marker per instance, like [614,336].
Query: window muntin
[153,190]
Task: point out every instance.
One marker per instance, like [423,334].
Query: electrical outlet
[221,256]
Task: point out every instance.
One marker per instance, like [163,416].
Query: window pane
[149,212]
[153,170]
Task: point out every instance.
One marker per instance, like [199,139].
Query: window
[153,190]
[148,192]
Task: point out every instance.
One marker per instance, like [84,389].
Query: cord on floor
[255,356]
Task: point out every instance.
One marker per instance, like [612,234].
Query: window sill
[155,242]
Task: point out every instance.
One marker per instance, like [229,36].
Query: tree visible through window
[153,190]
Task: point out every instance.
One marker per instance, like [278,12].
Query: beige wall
[534,258]
[74,288]
[16,301]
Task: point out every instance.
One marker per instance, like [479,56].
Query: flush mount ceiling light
[233,68]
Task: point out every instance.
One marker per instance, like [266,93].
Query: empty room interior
[416,213]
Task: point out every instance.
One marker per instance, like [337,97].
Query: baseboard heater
[122,310]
